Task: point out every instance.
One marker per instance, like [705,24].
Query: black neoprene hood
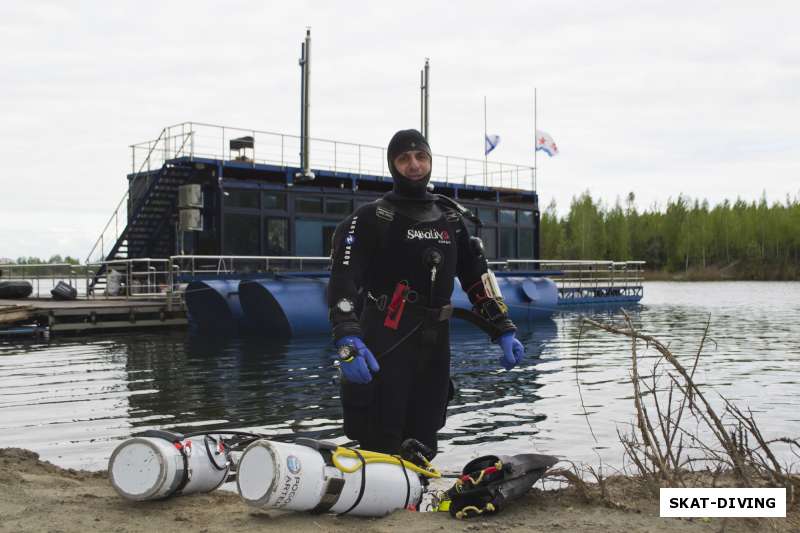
[405,141]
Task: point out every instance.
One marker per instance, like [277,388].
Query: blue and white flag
[546,143]
[491,143]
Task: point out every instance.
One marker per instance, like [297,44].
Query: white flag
[545,143]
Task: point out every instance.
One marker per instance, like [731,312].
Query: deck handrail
[210,141]
[115,215]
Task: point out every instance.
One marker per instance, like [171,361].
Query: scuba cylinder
[158,464]
[319,476]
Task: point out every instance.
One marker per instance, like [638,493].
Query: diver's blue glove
[357,368]
[513,350]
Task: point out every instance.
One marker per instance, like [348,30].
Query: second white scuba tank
[318,476]
[159,464]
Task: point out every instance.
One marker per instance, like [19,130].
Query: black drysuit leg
[408,397]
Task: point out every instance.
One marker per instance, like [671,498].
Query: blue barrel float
[286,306]
[214,305]
[295,304]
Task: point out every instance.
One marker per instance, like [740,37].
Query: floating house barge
[255,200]
[233,214]
[234,226]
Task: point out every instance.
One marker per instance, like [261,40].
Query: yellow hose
[376,457]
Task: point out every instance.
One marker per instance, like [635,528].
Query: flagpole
[485,153]
[535,142]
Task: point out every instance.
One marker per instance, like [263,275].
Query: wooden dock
[100,313]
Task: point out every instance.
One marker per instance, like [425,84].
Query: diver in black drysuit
[395,259]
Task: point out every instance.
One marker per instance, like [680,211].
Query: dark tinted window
[313,237]
[362,201]
[308,205]
[244,198]
[276,238]
[489,238]
[526,243]
[487,215]
[338,207]
[526,218]
[508,246]
[273,200]
[508,216]
[242,236]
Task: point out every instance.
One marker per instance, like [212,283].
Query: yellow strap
[498,465]
[462,514]
[376,457]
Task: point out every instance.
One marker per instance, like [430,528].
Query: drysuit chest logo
[440,236]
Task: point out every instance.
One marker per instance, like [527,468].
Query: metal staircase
[150,227]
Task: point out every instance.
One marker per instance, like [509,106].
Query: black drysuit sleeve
[472,265]
[354,245]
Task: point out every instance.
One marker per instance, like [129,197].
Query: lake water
[73,399]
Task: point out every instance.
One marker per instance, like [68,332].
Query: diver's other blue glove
[513,350]
[357,369]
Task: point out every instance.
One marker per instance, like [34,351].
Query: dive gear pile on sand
[314,476]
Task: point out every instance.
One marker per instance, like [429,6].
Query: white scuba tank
[151,468]
[296,477]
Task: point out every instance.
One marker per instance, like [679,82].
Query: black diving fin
[487,484]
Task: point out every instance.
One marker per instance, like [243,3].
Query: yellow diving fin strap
[376,457]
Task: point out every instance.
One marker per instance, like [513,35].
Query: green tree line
[754,240]
[32,260]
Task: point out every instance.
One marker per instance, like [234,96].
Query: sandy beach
[37,496]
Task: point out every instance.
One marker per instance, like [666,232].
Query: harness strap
[363,483]
[408,482]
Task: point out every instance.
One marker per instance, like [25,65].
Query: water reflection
[288,387]
[72,399]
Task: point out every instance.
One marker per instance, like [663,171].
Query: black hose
[224,432]
[211,457]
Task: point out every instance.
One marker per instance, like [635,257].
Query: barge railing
[132,278]
[148,278]
[211,141]
[217,265]
[45,276]
[120,215]
[585,279]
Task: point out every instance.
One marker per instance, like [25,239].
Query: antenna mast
[305,173]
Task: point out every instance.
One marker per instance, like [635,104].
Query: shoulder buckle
[384,212]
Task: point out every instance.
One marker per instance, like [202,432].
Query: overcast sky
[658,98]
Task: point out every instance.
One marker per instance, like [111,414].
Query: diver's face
[413,164]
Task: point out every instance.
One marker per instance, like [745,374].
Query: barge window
[313,237]
[526,243]
[489,238]
[308,205]
[245,198]
[338,207]
[526,218]
[508,216]
[362,201]
[487,215]
[508,245]
[273,200]
[276,236]
[242,236]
